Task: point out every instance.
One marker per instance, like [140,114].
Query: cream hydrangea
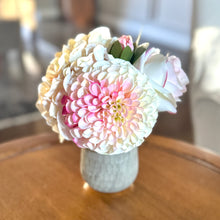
[81,46]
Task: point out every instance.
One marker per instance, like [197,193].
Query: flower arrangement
[104,93]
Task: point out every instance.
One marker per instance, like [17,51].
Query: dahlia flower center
[115,107]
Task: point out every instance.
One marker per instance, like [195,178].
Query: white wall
[167,22]
[207,13]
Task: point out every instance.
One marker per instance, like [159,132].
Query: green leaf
[126,54]
[139,51]
[116,49]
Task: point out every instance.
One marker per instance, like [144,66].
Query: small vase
[109,173]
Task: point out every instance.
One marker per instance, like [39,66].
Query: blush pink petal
[88,99]
[98,123]
[95,101]
[93,108]
[103,83]
[127,101]
[105,99]
[82,112]
[74,106]
[112,88]
[73,96]
[177,79]
[114,95]
[83,124]
[127,85]
[75,117]
[95,89]
[81,102]
[92,117]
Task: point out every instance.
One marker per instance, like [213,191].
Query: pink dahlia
[106,104]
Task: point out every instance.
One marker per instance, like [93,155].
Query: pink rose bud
[126,40]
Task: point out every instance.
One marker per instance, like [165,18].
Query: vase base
[109,173]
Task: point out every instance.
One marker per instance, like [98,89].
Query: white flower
[166,77]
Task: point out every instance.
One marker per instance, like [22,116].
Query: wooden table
[40,179]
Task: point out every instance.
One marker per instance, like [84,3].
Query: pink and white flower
[166,76]
[104,104]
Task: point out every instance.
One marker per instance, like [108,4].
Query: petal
[83,124]
[93,108]
[68,106]
[94,89]
[81,103]
[82,112]
[156,69]
[112,88]
[87,133]
[105,99]
[76,132]
[95,101]
[183,78]
[98,123]
[88,99]
[74,86]
[94,140]
[99,52]
[127,101]
[81,92]
[67,82]
[97,34]
[139,64]
[127,85]
[64,132]
[64,100]
[174,90]
[166,100]
[74,106]
[75,118]
[91,117]
[172,77]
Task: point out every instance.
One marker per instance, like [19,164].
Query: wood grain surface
[40,179]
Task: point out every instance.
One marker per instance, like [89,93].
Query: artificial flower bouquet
[104,93]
